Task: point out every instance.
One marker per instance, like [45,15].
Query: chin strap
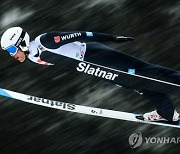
[26,53]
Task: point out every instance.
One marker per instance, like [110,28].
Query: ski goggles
[12,50]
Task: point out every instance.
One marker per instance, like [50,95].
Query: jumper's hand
[123,39]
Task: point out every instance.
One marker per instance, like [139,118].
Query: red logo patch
[57,39]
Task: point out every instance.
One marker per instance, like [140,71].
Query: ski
[80,109]
[135,81]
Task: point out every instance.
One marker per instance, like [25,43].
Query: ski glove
[122,39]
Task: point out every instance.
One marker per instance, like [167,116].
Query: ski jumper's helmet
[13,39]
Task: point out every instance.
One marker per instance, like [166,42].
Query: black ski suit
[98,53]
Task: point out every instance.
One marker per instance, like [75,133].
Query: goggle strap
[20,39]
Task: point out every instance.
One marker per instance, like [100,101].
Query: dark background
[26,128]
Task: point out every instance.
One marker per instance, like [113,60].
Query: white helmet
[14,38]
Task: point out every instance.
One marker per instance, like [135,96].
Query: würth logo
[70,36]
[57,39]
